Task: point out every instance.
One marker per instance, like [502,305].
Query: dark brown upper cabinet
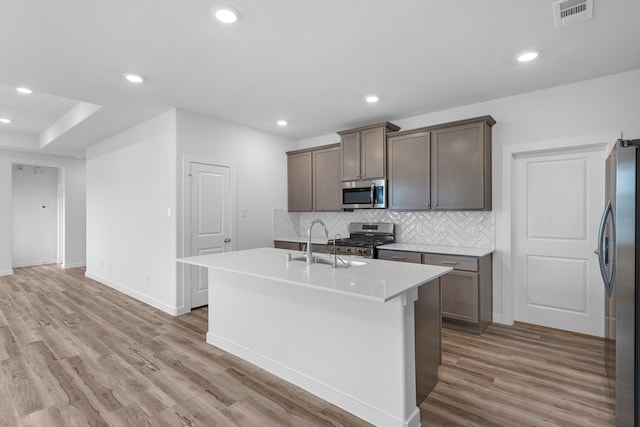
[444,167]
[409,157]
[314,179]
[299,181]
[364,154]
[326,179]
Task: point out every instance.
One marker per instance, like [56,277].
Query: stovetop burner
[360,242]
[363,239]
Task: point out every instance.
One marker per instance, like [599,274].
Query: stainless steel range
[364,238]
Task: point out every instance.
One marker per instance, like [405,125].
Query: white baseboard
[73,265]
[182,310]
[313,386]
[6,272]
[134,294]
[33,263]
[497,318]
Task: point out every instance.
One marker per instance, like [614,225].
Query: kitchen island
[345,334]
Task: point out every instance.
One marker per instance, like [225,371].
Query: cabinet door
[299,181]
[460,296]
[326,180]
[373,153]
[458,167]
[350,144]
[409,178]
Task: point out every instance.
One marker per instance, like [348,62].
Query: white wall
[34,215]
[135,177]
[74,204]
[131,240]
[260,164]
[261,169]
[588,112]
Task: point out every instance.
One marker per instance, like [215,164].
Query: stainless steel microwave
[368,194]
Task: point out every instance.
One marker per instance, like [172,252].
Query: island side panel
[428,342]
[355,353]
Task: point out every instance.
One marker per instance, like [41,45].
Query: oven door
[364,194]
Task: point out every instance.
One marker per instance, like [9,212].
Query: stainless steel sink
[341,263]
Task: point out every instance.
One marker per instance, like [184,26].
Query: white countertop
[411,247]
[298,239]
[378,280]
[434,249]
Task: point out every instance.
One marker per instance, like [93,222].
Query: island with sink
[363,334]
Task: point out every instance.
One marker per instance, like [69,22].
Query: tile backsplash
[471,229]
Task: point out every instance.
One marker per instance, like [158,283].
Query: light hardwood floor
[76,353]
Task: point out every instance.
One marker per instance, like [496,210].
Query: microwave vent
[567,12]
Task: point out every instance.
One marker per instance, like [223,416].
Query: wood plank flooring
[77,353]
[520,375]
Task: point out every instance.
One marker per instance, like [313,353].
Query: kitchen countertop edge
[299,239]
[378,281]
[435,249]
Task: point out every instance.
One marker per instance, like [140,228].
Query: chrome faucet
[309,250]
[335,252]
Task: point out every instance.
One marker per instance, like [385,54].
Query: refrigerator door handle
[608,280]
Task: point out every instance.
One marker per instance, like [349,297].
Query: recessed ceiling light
[528,55]
[282,122]
[372,98]
[24,90]
[226,14]
[5,120]
[134,78]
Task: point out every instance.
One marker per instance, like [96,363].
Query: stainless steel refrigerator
[618,241]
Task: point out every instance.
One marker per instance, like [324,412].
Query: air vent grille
[567,12]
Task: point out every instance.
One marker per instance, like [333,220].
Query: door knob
[227,240]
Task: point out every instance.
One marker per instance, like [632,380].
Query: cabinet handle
[449,262]
[372,195]
[436,205]
[428,205]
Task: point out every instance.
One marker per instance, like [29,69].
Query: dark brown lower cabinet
[281,244]
[297,246]
[460,300]
[467,292]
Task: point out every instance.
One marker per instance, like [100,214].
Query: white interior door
[210,221]
[557,201]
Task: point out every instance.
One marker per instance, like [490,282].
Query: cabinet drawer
[454,261]
[402,256]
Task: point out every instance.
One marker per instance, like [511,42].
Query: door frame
[184,241]
[503,261]
[61,238]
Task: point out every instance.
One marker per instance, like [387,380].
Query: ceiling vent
[567,12]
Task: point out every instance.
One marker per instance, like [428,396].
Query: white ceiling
[309,62]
